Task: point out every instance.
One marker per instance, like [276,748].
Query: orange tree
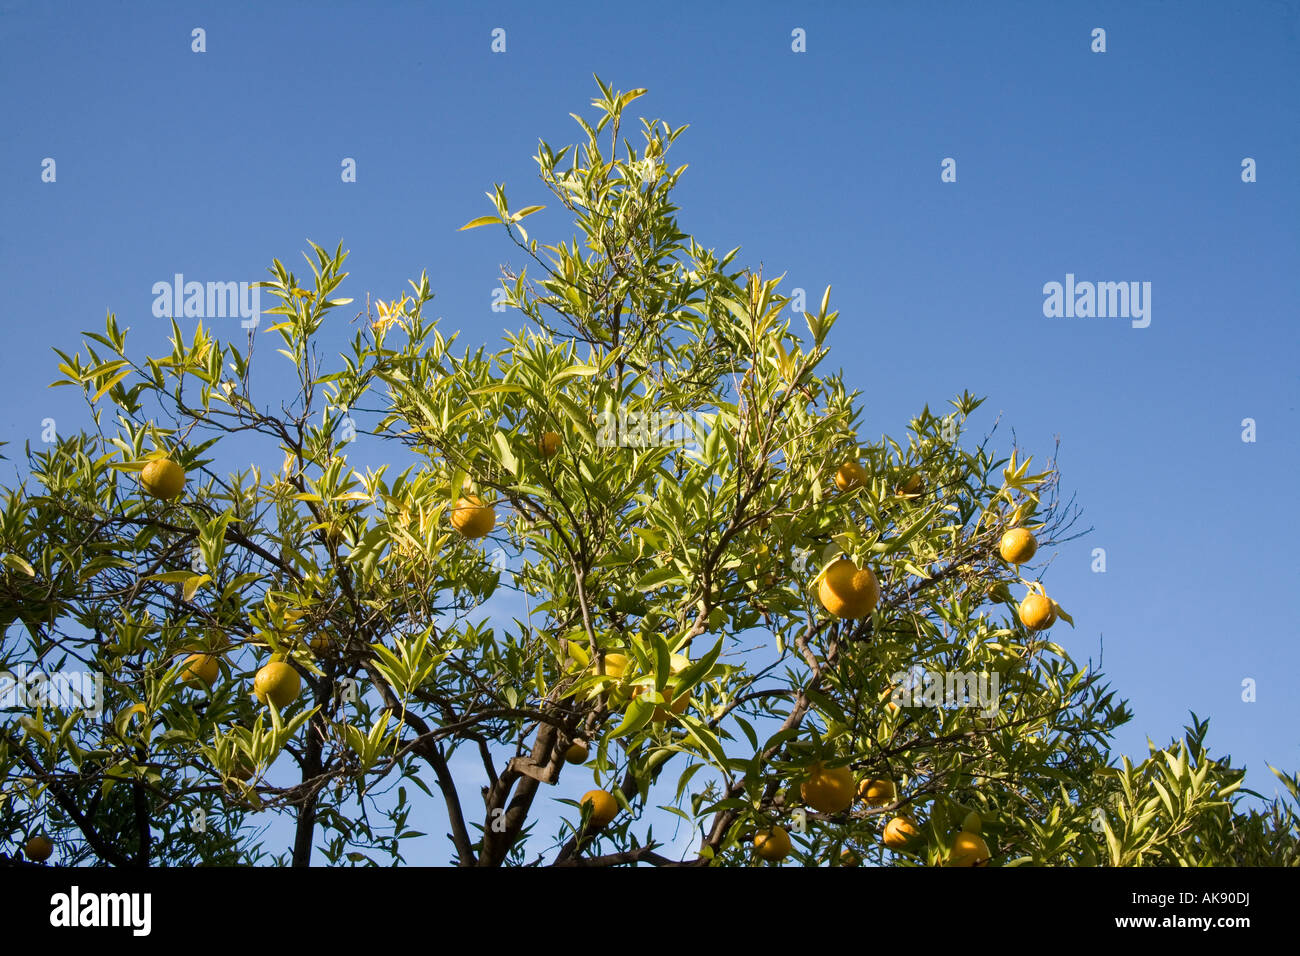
[813,646]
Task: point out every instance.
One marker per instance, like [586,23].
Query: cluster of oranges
[832,790]
[1037,610]
[847,591]
[276,682]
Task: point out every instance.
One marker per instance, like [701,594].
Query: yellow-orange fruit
[772,845]
[603,807]
[163,479]
[576,752]
[877,793]
[1037,612]
[201,669]
[473,517]
[899,832]
[914,485]
[968,849]
[828,790]
[850,475]
[549,444]
[847,591]
[615,665]
[38,848]
[1017,546]
[278,683]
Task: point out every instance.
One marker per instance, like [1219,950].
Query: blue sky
[825,165]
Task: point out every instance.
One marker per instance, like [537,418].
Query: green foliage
[683,523]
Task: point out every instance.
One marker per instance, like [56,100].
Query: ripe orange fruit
[849,857]
[899,832]
[201,670]
[603,807]
[847,591]
[577,752]
[828,790]
[850,475]
[1018,546]
[772,845]
[914,485]
[473,517]
[1037,612]
[969,849]
[278,683]
[38,848]
[163,478]
[549,444]
[877,793]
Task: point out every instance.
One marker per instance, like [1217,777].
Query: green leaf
[1112,842]
[658,578]
[480,221]
[18,564]
[747,729]
[628,97]
[914,570]
[110,383]
[826,706]
[698,670]
[504,453]
[458,479]
[193,583]
[495,389]
[663,662]
[33,728]
[572,370]
[893,544]
[580,420]
[526,211]
[780,738]
[704,737]
[735,308]
[638,715]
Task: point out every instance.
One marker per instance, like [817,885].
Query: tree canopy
[659,464]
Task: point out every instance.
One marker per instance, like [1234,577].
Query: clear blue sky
[1115,166]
